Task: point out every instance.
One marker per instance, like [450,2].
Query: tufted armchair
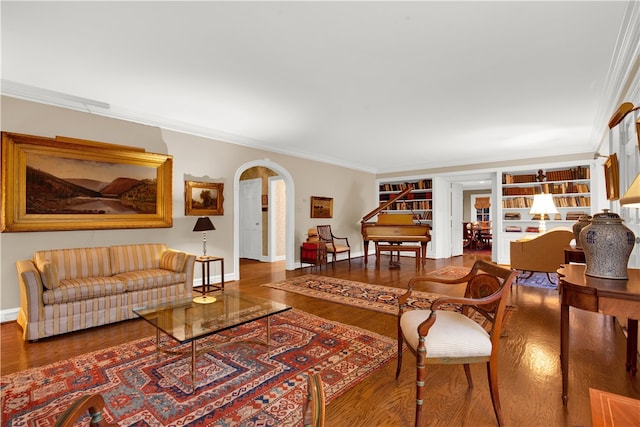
[542,253]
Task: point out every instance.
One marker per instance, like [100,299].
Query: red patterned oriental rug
[383,299]
[237,385]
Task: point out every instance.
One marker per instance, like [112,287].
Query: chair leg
[400,342]
[492,372]
[467,372]
[420,378]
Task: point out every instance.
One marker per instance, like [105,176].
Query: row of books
[415,205]
[560,202]
[423,184]
[424,194]
[518,179]
[562,188]
[580,172]
[570,216]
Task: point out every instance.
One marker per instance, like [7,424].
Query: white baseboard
[9,315]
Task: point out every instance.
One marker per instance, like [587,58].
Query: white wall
[353,191]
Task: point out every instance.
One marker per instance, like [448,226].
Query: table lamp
[204,224]
[631,198]
[542,205]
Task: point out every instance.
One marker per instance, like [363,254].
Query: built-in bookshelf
[570,187]
[418,202]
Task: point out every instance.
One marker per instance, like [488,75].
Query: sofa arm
[31,303]
[189,265]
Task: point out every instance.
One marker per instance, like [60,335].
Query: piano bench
[399,248]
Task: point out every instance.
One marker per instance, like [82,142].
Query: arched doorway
[290,212]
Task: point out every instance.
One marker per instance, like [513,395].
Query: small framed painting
[203,198]
[321,207]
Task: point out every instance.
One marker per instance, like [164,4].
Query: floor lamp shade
[204,224]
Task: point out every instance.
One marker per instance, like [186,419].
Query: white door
[456,219]
[250,216]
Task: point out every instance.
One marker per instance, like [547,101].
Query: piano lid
[383,206]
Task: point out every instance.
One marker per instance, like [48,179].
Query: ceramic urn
[582,222]
[607,244]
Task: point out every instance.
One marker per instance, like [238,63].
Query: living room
[210,158]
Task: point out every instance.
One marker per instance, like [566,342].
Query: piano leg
[366,251]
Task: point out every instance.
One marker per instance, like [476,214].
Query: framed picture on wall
[203,198]
[612,177]
[73,184]
[321,207]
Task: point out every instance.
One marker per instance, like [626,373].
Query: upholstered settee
[541,253]
[65,290]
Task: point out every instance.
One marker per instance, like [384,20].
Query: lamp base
[204,299]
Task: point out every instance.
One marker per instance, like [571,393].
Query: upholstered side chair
[335,245]
[542,253]
[438,336]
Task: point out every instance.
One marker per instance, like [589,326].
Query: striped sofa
[65,290]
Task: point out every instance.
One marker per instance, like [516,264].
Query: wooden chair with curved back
[439,336]
[326,235]
[94,403]
[313,408]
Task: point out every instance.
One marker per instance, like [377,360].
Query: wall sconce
[631,198]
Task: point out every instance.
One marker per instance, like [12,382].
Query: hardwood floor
[529,377]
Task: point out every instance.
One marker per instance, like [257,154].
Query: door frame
[244,207]
[290,262]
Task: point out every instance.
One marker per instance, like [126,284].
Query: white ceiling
[377,86]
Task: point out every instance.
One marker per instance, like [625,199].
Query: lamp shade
[631,198]
[543,204]
[204,224]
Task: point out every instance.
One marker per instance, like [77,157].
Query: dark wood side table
[206,261]
[614,297]
[573,254]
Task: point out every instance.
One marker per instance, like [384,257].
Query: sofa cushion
[48,273]
[147,279]
[173,260]
[126,258]
[72,290]
[77,263]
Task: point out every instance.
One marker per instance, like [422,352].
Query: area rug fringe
[237,385]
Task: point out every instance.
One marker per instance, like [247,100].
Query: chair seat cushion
[339,248]
[452,335]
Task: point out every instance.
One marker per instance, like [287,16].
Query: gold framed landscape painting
[321,207]
[52,184]
[203,198]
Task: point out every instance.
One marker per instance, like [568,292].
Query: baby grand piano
[393,228]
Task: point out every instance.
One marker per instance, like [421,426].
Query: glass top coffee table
[187,321]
